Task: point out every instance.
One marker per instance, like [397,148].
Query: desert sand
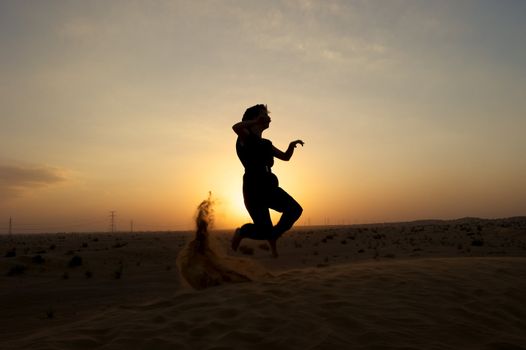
[422,285]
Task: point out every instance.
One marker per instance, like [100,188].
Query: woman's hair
[253,112]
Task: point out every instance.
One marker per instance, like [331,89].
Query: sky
[408,109]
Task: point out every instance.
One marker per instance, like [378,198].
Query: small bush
[246,250]
[477,243]
[118,274]
[16,270]
[11,253]
[75,261]
[264,246]
[38,259]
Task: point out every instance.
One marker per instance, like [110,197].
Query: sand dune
[422,293]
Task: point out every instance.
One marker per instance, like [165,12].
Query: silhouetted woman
[261,189]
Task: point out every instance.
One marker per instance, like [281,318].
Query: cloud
[312,32]
[16,179]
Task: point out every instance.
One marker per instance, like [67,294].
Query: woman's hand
[293,144]
[290,151]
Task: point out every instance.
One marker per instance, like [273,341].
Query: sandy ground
[424,285]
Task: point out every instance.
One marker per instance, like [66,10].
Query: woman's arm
[290,151]
[242,128]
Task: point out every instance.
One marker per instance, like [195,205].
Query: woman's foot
[236,240]
[273,249]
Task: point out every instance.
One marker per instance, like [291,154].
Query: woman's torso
[257,156]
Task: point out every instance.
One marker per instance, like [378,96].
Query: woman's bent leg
[283,202]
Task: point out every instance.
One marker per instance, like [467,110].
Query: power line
[112,221]
[50,227]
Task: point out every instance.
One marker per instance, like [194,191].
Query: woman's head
[259,113]
[253,112]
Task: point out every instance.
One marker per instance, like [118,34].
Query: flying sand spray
[203,262]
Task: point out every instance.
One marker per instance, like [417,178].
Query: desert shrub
[264,246]
[246,250]
[50,313]
[38,259]
[16,270]
[75,261]
[11,253]
[118,273]
[477,243]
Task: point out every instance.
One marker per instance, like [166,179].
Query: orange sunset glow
[408,110]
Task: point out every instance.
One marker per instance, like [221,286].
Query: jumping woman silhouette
[261,190]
